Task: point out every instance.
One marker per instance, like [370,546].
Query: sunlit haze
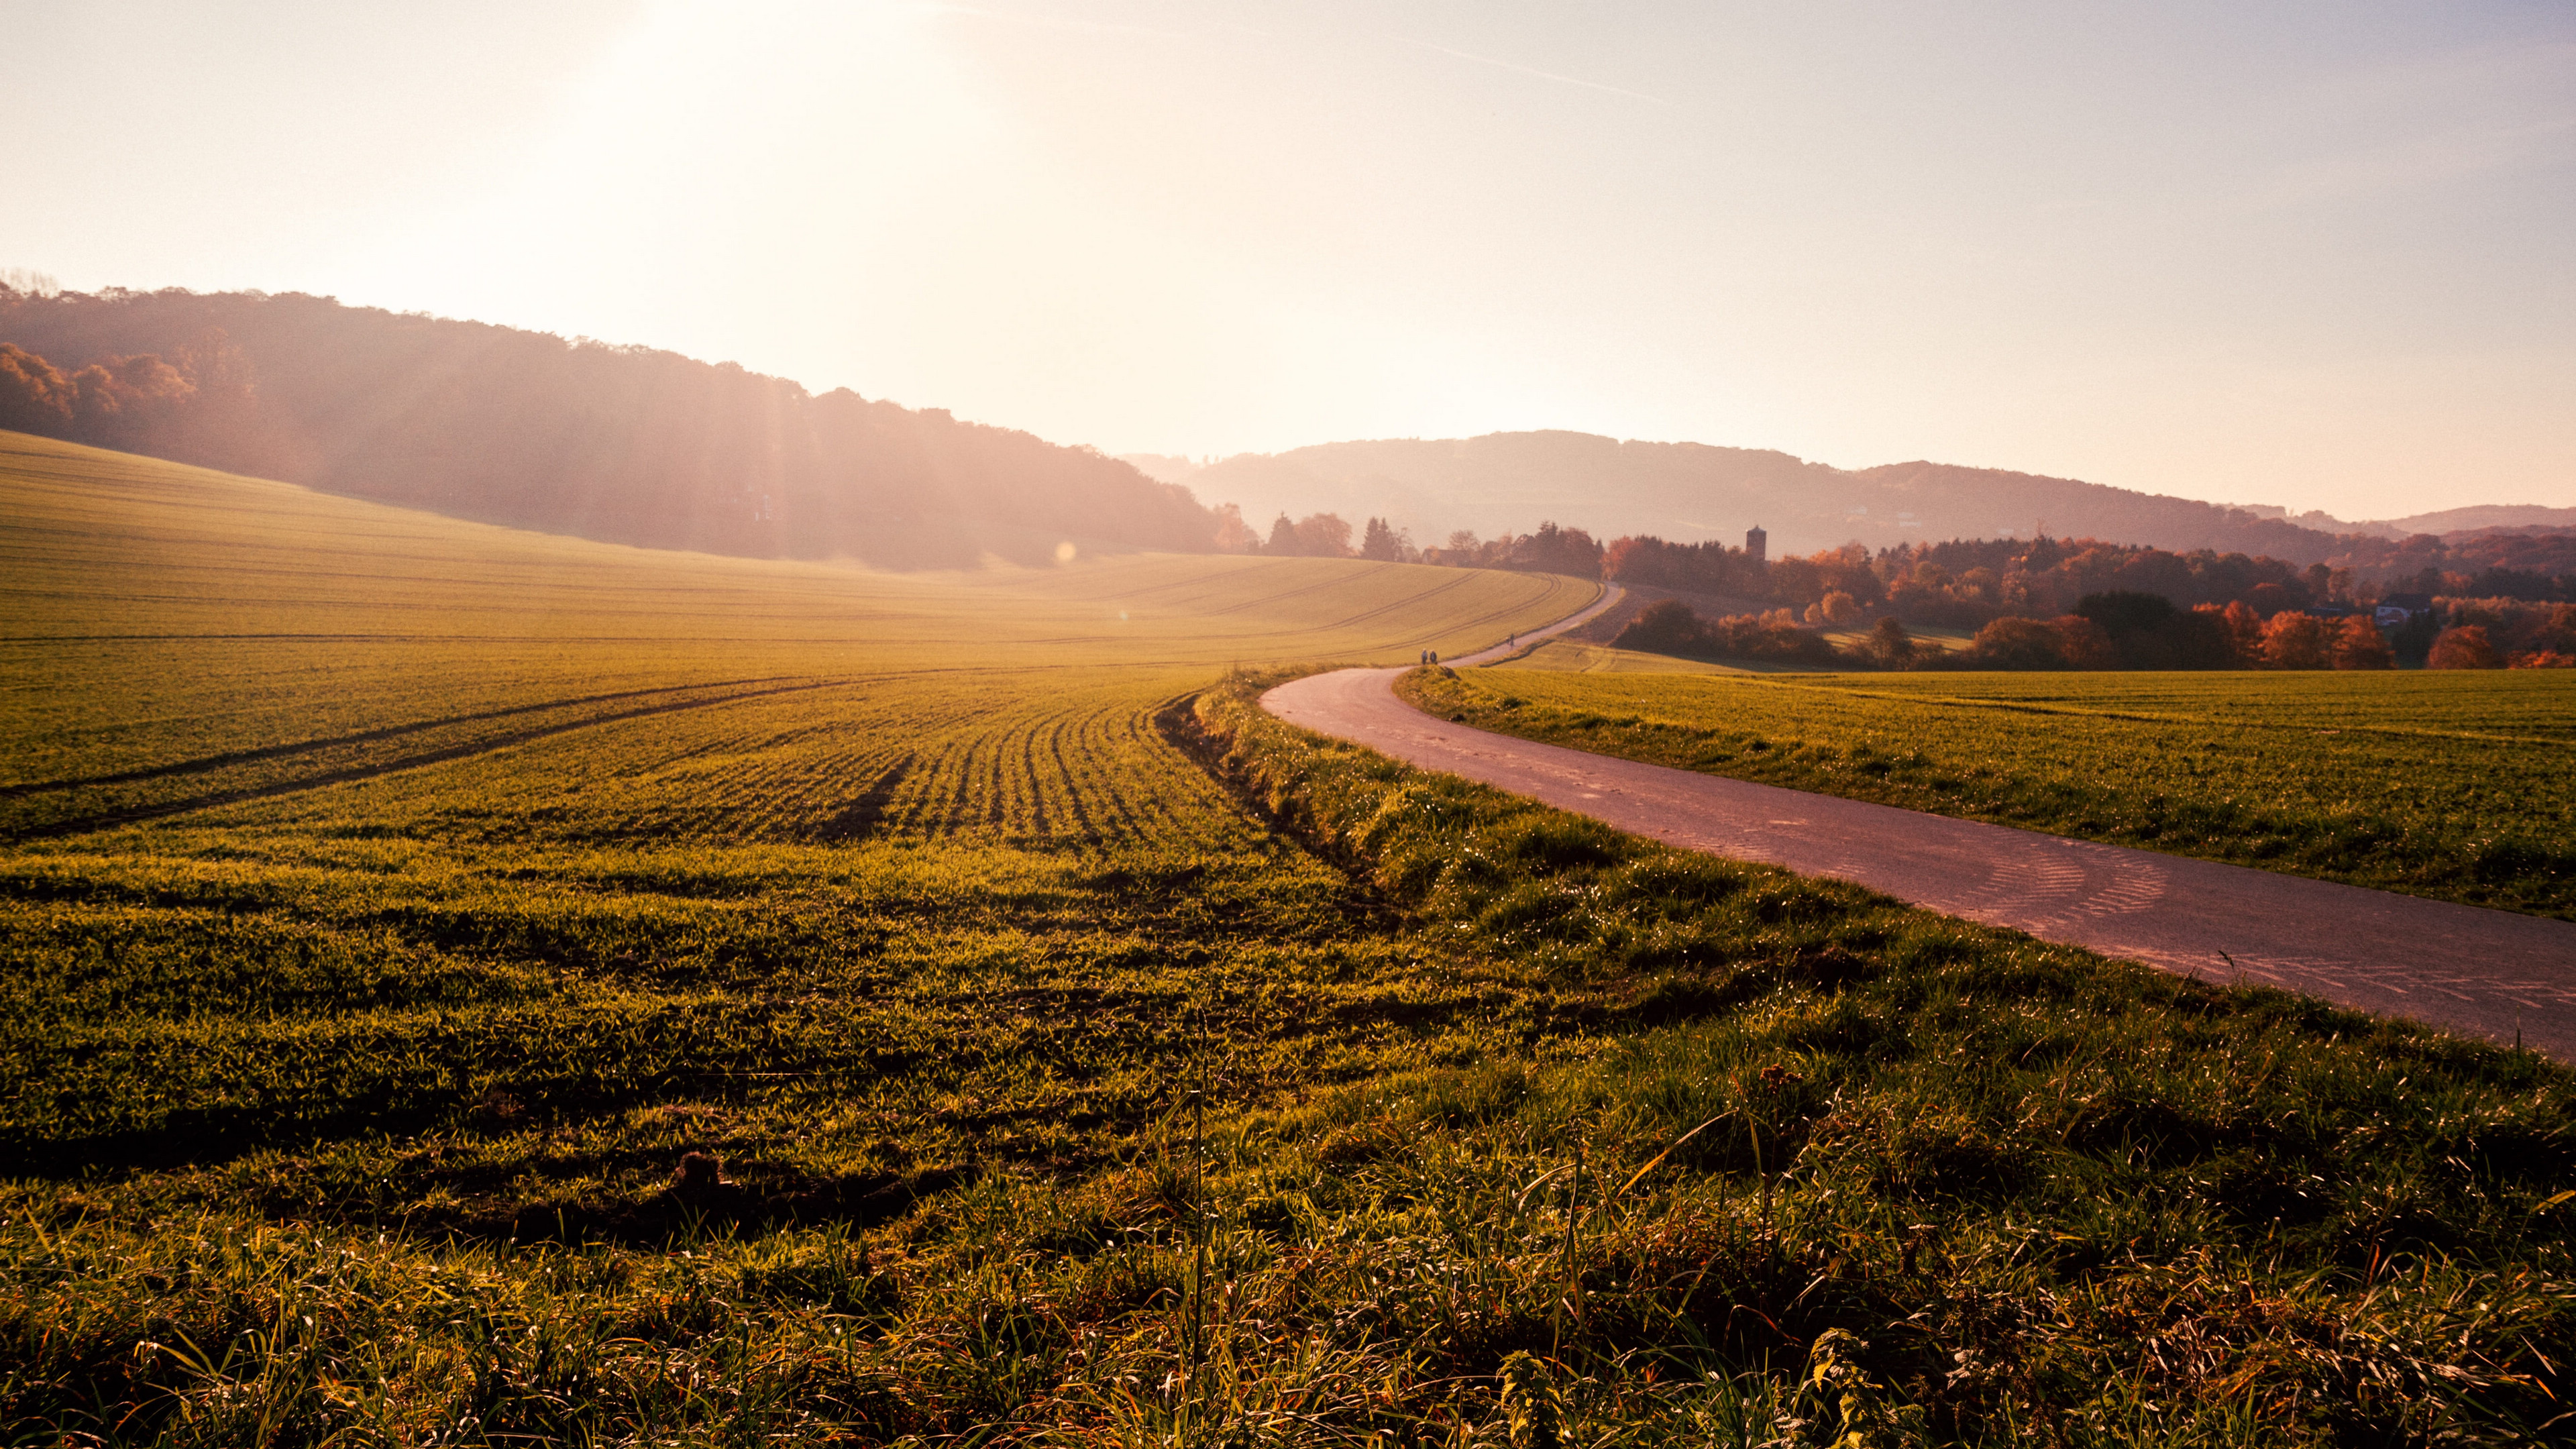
[2301,254]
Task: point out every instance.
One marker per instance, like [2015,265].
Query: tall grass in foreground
[2033,1191]
[1704,1153]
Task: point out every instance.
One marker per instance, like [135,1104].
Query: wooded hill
[1691,491]
[623,444]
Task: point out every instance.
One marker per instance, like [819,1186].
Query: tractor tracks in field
[159,809]
[206,763]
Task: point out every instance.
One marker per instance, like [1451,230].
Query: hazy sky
[2320,255]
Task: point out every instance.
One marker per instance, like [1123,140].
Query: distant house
[1757,544]
[2397,610]
[2327,611]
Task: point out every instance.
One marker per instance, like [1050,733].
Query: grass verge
[2455,786]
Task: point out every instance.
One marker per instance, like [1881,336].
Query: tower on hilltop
[1757,544]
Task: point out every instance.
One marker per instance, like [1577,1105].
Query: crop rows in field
[182,640]
[827,891]
[56,807]
[2460,786]
[1067,759]
[94,710]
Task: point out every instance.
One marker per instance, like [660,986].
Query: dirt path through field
[2486,973]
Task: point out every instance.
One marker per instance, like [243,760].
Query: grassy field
[468,988]
[1573,656]
[1929,638]
[176,637]
[2458,785]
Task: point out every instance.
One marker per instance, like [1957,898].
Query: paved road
[2482,972]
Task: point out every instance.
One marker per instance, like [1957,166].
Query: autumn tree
[2360,645]
[2463,646]
[2010,643]
[2088,645]
[35,397]
[125,401]
[2244,632]
[1324,535]
[136,403]
[1836,607]
[1233,535]
[2294,640]
[1283,537]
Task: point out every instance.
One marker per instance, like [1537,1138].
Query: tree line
[1550,549]
[2041,603]
[1966,583]
[2126,630]
[2505,598]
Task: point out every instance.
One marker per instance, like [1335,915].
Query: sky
[2315,255]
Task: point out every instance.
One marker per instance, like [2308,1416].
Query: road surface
[2485,973]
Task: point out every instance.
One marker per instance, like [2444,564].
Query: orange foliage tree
[35,397]
[2292,640]
[2088,645]
[2244,632]
[2010,643]
[2360,645]
[2463,646]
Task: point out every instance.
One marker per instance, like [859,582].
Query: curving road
[2485,973]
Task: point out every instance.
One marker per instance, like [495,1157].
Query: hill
[1692,491]
[623,444]
[2475,519]
[177,634]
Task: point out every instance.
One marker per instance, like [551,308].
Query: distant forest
[1966,583]
[2491,599]
[2119,629]
[624,444]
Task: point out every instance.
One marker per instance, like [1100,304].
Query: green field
[176,636]
[2458,785]
[1573,656]
[356,807]
[1075,1055]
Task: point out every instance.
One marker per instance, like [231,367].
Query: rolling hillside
[177,635]
[624,444]
[1511,482]
[2475,517]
